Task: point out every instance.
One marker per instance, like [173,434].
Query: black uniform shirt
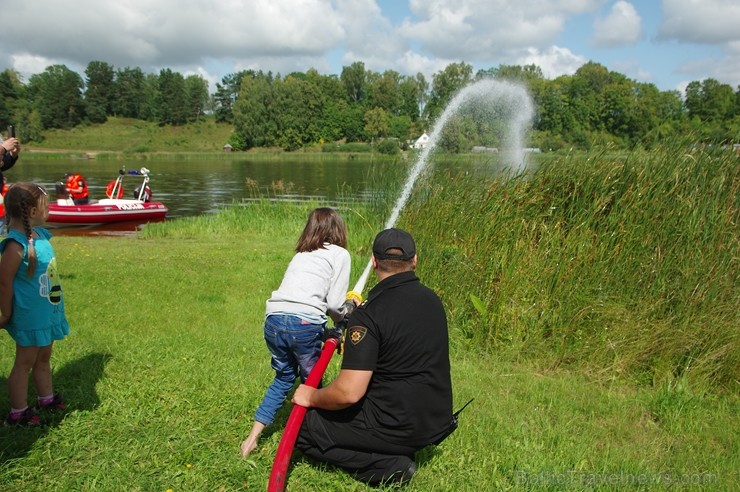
[400,333]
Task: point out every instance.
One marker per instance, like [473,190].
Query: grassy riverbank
[593,311]
[124,138]
[130,136]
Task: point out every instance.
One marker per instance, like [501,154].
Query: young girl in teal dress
[31,302]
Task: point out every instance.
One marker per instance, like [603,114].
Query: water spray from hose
[522,111]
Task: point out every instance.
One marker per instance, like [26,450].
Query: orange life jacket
[77,186]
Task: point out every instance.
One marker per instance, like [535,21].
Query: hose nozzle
[353,295]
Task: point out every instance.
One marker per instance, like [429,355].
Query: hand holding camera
[10,144]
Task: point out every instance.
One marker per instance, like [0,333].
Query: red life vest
[77,186]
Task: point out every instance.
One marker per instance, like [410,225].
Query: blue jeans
[295,346]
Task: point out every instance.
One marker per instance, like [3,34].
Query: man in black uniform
[393,395]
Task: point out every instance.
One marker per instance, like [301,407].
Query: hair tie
[30,241]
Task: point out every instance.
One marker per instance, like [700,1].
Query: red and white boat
[115,208]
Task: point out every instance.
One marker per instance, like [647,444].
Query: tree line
[592,106]
[61,98]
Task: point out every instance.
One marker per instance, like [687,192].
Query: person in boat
[393,394]
[77,187]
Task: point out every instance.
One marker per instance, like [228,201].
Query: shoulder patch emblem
[356,334]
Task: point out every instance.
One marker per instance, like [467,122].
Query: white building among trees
[421,142]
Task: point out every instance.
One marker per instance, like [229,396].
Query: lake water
[190,187]
[197,187]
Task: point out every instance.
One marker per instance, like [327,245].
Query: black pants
[342,439]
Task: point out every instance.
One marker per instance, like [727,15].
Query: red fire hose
[282,457]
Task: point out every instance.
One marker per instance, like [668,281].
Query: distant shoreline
[261,153]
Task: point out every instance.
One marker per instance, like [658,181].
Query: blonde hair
[19,200]
[324,225]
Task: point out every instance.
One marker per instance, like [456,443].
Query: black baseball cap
[394,239]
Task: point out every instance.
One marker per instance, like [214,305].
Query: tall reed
[626,265]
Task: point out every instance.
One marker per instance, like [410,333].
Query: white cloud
[554,61]
[27,65]
[487,30]
[644,75]
[370,37]
[725,70]
[412,63]
[733,48]
[217,38]
[681,86]
[170,33]
[622,26]
[705,21]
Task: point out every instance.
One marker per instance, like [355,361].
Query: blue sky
[668,43]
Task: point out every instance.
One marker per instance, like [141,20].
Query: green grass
[626,267]
[131,136]
[166,364]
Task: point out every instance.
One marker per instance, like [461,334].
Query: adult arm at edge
[8,161]
[346,390]
[8,156]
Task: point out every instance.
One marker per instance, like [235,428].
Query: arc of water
[516,131]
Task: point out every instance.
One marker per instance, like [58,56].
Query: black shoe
[402,473]
[406,474]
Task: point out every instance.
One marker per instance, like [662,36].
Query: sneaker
[27,419]
[56,405]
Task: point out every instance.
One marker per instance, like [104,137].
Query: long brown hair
[324,225]
[19,200]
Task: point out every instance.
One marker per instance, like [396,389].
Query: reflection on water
[197,187]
